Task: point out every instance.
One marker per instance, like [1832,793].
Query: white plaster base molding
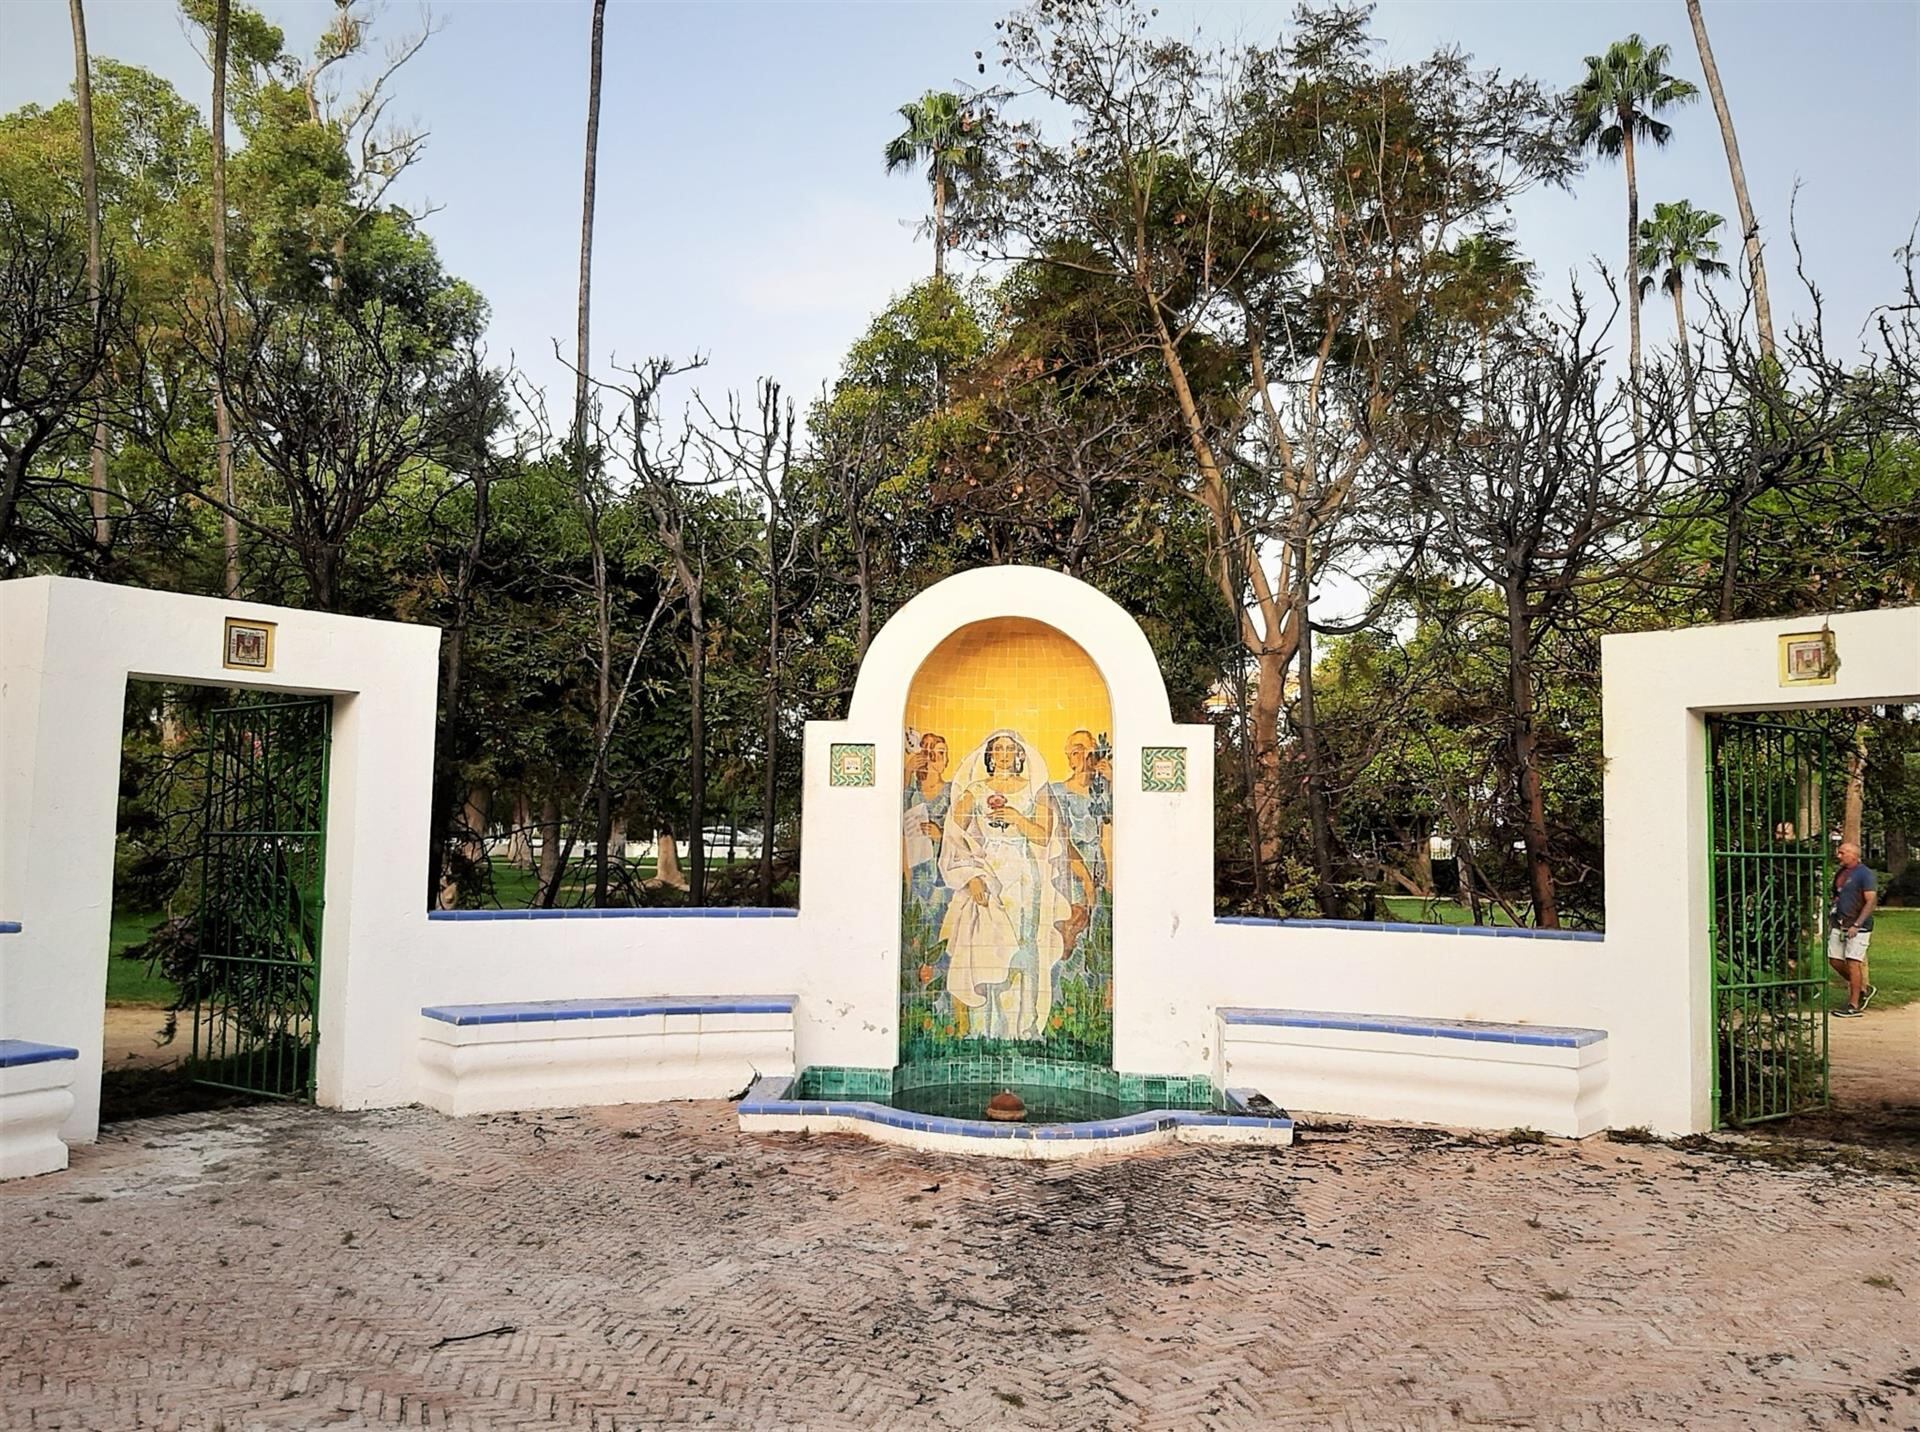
[498,1058]
[36,1095]
[769,1109]
[1409,1070]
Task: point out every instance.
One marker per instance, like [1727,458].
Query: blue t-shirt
[1850,891]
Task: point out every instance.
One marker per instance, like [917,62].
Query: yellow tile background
[1013,672]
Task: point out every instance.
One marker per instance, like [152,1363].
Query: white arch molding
[1163,840]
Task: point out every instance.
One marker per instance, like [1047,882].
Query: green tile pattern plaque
[851,764]
[1163,769]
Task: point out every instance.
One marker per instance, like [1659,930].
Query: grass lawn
[1410,910]
[1893,959]
[129,981]
[513,885]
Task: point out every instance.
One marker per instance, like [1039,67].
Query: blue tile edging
[768,1096]
[1557,1036]
[15,1052]
[651,912]
[9,927]
[1504,932]
[537,1011]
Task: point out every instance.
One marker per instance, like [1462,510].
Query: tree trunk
[550,869]
[473,842]
[1686,370]
[448,743]
[939,220]
[222,420]
[1269,692]
[1633,299]
[603,617]
[697,756]
[863,580]
[1422,865]
[1526,755]
[1251,788]
[519,839]
[1271,643]
[1314,782]
[1730,555]
[666,861]
[1749,225]
[1894,763]
[90,197]
[769,782]
[1856,797]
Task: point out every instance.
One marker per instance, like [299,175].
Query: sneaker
[1867,993]
[1845,1011]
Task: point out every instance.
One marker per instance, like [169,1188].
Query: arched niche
[1006,924]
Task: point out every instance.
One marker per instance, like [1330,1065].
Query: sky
[744,214]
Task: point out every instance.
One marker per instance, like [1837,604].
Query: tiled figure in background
[924,806]
[1002,857]
[1084,801]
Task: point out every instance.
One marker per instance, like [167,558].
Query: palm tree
[1484,281]
[580,384]
[1679,238]
[222,420]
[589,498]
[90,197]
[1614,108]
[1749,226]
[945,133]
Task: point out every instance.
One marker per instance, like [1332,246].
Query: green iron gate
[255,990]
[1770,797]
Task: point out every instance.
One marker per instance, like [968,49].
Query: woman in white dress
[1003,855]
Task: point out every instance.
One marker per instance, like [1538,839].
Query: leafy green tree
[1237,208]
[1614,107]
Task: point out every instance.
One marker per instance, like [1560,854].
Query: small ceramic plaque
[1163,768]
[1808,658]
[249,645]
[851,764]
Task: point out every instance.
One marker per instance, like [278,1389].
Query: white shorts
[1848,947]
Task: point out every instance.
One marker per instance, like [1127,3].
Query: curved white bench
[546,1054]
[1463,1073]
[36,1095]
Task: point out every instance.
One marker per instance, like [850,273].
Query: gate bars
[1770,799]
[256,989]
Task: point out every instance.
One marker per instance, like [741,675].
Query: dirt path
[132,1034]
[649,1267]
[1874,1071]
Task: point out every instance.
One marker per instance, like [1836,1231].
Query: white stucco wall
[1656,690]
[67,649]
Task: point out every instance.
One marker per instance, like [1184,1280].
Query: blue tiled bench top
[25,1051]
[652,912]
[1396,927]
[539,1010]
[9,927]
[1554,1035]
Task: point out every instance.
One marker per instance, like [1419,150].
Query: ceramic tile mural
[1007,832]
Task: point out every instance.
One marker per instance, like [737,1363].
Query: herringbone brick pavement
[650,1267]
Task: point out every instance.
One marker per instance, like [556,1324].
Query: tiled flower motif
[1163,768]
[850,764]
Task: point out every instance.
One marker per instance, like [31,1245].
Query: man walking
[1850,926]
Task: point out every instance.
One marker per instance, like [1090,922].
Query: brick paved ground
[650,1267]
